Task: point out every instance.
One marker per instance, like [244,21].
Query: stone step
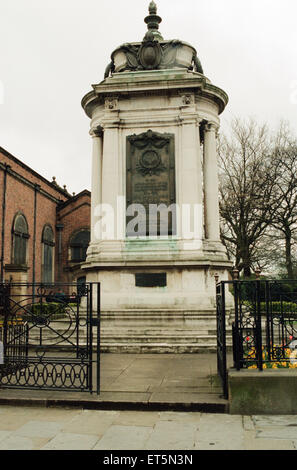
[153,339]
[157,331]
[135,333]
[160,348]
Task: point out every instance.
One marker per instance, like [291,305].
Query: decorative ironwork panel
[265,326]
[47,332]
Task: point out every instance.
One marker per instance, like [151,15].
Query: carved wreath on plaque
[150,161]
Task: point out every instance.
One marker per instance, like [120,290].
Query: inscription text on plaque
[150,178]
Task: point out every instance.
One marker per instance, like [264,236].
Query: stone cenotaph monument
[155,237]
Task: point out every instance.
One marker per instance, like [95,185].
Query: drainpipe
[6,168]
[36,189]
[59,228]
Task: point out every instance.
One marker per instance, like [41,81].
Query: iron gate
[265,325]
[221,338]
[264,330]
[50,336]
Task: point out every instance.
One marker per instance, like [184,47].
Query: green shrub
[278,290]
[52,310]
[286,308]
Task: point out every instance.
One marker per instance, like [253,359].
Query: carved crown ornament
[153,53]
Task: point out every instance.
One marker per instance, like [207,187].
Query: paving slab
[4,435]
[43,429]
[91,422]
[124,438]
[132,418]
[71,441]
[22,443]
[268,444]
[188,417]
[263,421]
[220,432]
[170,435]
[277,432]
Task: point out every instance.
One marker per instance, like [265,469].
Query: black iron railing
[264,328]
[47,334]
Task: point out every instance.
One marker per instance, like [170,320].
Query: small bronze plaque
[151,280]
[150,178]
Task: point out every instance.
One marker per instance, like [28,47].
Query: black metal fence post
[221,337]
[236,336]
[268,320]
[259,352]
[98,337]
[90,327]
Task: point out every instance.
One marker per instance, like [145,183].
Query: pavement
[36,428]
[147,402]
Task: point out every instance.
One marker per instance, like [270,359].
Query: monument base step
[143,332]
[160,348]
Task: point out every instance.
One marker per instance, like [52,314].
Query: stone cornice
[169,80]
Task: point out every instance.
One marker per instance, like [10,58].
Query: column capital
[96,131]
[211,126]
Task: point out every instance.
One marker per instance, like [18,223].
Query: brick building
[45,231]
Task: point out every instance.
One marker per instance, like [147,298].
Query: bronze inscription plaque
[150,178]
[151,280]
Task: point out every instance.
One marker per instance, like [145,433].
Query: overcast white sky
[51,51]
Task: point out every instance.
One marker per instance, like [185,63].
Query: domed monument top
[154,53]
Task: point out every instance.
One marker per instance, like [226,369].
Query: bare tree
[285,192]
[247,177]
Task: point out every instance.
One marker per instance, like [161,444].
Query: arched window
[19,240]
[79,244]
[47,254]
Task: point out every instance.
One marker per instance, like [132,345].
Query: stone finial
[153,21]
[152,8]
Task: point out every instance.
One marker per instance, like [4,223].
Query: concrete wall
[272,392]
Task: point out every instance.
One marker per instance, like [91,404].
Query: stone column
[97,136]
[110,173]
[211,183]
[191,177]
